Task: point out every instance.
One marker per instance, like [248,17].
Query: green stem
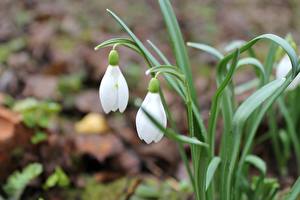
[291,130]
[192,134]
[180,145]
[275,142]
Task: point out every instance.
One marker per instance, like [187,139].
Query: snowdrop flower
[147,131]
[113,89]
[283,69]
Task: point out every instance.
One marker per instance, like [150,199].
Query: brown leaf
[40,86]
[99,146]
[8,121]
[128,161]
[165,149]
[13,134]
[88,101]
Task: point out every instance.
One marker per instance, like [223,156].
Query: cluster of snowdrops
[224,174]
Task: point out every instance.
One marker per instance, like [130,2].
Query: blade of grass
[215,102]
[239,119]
[295,191]
[208,49]
[291,130]
[178,44]
[211,170]
[227,104]
[258,163]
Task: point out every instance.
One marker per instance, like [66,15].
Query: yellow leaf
[92,123]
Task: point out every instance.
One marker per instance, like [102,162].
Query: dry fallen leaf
[92,123]
[41,86]
[8,121]
[99,146]
[88,101]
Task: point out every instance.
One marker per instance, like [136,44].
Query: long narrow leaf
[173,135]
[258,163]
[255,100]
[206,48]
[255,63]
[159,53]
[295,191]
[177,43]
[134,38]
[211,170]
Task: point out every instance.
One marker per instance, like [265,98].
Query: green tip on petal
[113,58]
[153,86]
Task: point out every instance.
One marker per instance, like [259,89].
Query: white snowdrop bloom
[283,69]
[146,130]
[113,91]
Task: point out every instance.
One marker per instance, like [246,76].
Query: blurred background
[50,112]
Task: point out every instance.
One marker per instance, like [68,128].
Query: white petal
[123,92]
[108,91]
[283,69]
[158,137]
[147,131]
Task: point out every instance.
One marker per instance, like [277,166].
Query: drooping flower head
[113,91]
[284,67]
[152,103]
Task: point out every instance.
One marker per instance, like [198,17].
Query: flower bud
[153,86]
[113,58]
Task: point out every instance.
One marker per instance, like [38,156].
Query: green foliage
[111,191]
[58,178]
[69,84]
[17,182]
[38,137]
[240,120]
[280,52]
[295,191]
[36,114]
[151,189]
[7,48]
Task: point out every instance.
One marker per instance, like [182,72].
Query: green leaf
[234,45]
[146,191]
[58,178]
[178,44]
[17,182]
[142,48]
[257,162]
[206,48]
[119,41]
[294,194]
[283,44]
[29,119]
[255,100]
[26,104]
[38,137]
[159,53]
[273,38]
[215,101]
[167,69]
[36,114]
[240,89]
[173,135]
[68,84]
[211,170]
[255,63]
